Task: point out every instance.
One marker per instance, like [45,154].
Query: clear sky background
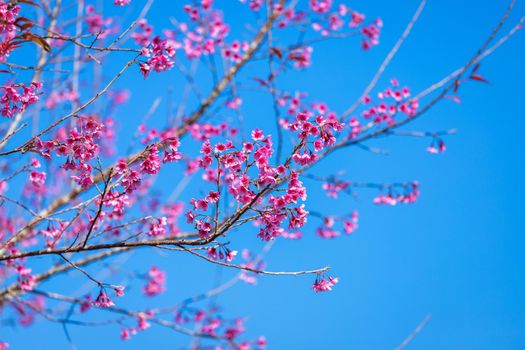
[457,254]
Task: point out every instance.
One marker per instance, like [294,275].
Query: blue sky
[456,254]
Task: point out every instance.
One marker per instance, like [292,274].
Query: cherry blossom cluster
[235,51]
[156,282]
[327,18]
[328,230]
[79,145]
[210,323]
[26,281]
[295,104]
[371,34]
[392,101]
[233,165]
[142,325]
[122,2]
[8,16]
[399,193]
[205,31]
[333,186]
[389,193]
[17,97]
[324,283]
[205,131]
[97,24]
[319,131]
[103,300]
[159,55]
[221,252]
[333,21]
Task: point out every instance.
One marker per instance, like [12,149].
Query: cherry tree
[77,191]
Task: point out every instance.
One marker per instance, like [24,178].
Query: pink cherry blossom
[156,282]
[103,300]
[323,284]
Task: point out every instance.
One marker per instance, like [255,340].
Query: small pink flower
[103,300]
[324,285]
[119,291]
[350,226]
[142,322]
[158,227]
[357,19]
[86,304]
[37,178]
[213,197]
[320,6]
[199,204]
[257,135]
[125,334]
[121,166]
[35,163]
[151,164]
[441,146]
